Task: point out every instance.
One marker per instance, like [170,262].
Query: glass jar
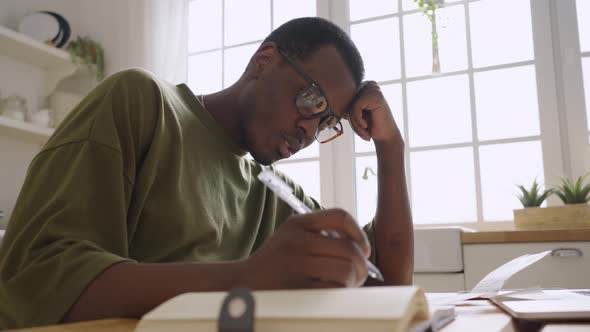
[14,107]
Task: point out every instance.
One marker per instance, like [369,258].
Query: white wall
[112,23]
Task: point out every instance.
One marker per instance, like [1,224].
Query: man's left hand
[370,116]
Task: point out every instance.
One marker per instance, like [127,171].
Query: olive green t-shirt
[139,171]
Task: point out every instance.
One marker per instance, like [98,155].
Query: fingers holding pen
[299,256]
[338,221]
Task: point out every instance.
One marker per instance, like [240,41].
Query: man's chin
[263,159]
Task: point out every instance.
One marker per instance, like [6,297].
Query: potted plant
[573,193]
[532,197]
[429,8]
[89,54]
[574,214]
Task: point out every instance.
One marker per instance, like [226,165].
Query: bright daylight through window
[474,127]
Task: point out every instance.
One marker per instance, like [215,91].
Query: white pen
[285,192]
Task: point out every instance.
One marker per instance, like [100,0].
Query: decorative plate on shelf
[47,27]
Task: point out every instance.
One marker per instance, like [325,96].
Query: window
[506,108]
[473,131]
[223,35]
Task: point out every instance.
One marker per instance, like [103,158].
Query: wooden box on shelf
[566,216]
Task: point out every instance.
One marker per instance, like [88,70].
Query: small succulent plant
[533,197]
[572,192]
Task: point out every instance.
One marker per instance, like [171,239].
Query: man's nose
[309,128]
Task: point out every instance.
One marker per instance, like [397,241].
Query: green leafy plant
[533,197]
[572,192]
[429,8]
[86,52]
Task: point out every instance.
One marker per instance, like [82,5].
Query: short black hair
[301,37]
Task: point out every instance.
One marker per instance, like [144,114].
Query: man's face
[273,127]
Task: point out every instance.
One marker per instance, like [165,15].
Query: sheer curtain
[157,37]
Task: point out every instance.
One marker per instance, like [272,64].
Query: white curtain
[157,37]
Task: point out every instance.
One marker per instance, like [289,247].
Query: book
[545,305]
[369,309]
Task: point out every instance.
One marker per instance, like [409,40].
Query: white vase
[61,104]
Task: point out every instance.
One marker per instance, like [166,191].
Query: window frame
[570,90]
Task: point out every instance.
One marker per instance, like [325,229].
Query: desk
[450,260]
[478,315]
[107,325]
[520,236]
[567,267]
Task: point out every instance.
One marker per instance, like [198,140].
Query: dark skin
[258,112]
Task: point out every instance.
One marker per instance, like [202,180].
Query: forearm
[129,290]
[393,219]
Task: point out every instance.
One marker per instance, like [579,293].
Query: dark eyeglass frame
[338,128]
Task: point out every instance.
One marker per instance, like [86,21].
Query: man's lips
[289,146]
[284,149]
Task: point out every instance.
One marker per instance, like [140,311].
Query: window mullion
[570,87]
[474,136]
[327,183]
[337,158]
[404,86]
[553,138]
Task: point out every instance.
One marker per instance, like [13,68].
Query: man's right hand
[298,256]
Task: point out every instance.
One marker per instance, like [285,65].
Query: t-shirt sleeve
[69,223]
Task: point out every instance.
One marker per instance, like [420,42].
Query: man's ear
[265,58]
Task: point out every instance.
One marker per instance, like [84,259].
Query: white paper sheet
[495,280]
[492,283]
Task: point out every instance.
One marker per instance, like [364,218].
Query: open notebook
[344,309]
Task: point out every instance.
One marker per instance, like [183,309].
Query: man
[144,192]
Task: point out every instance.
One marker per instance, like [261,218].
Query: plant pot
[566,216]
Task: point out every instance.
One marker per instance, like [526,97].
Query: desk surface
[478,315]
[545,235]
[107,325]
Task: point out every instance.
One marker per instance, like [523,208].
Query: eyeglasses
[312,104]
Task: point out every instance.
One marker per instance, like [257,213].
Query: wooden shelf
[27,50]
[23,48]
[24,131]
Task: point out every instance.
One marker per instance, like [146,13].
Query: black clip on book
[237,312]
